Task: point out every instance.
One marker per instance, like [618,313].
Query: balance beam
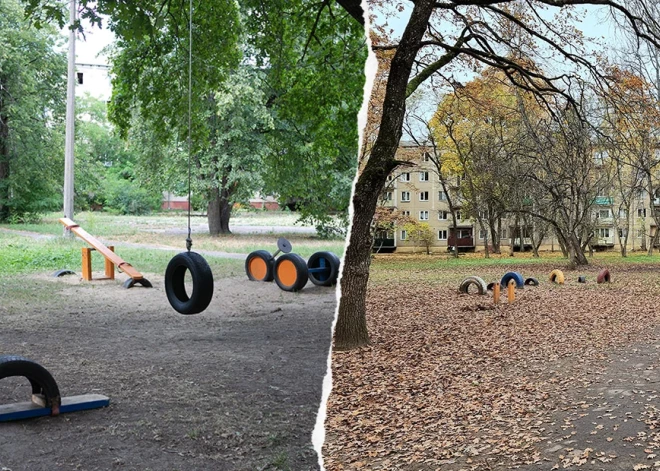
[102,249]
[28,410]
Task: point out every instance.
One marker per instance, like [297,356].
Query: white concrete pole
[70,119]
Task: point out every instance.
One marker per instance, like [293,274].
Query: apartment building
[416,191]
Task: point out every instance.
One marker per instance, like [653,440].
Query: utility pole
[70,119]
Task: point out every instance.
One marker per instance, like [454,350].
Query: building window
[604,233]
[641,212]
[426,157]
[458,216]
[443,215]
[504,234]
[387,196]
[405,213]
[423,195]
[405,196]
[464,233]
[404,235]
[603,213]
[423,176]
[623,213]
[423,215]
[623,233]
[405,177]
[442,234]
[442,196]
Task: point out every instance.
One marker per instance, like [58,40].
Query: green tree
[31,111]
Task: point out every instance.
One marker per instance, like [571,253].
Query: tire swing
[323,268]
[202,277]
[260,264]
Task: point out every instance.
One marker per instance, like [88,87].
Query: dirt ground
[236,387]
[565,377]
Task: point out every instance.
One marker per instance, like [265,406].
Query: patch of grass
[20,255]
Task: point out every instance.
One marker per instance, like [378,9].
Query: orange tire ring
[603,276]
[259,266]
[291,272]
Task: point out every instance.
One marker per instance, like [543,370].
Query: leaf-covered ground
[564,377]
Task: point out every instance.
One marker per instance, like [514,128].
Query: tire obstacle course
[289,270]
[513,280]
[112,260]
[45,399]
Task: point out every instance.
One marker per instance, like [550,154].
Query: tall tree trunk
[351,325]
[219,212]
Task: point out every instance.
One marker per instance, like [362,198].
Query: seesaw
[45,398]
[111,258]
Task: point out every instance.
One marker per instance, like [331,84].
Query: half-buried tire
[41,380]
[202,281]
[603,276]
[557,276]
[259,266]
[531,281]
[291,272]
[515,276]
[473,280]
[323,268]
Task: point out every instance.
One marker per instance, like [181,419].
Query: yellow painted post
[511,291]
[109,266]
[87,263]
[496,293]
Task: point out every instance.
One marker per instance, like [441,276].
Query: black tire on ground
[291,272]
[531,281]
[582,279]
[258,256]
[490,286]
[41,380]
[473,280]
[202,279]
[328,259]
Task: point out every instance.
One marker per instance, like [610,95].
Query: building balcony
[453,241]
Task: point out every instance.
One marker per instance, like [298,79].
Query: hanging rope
[190,13]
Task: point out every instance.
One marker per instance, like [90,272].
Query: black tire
[291,272]
[202,278]
[327,277]
[41,380]
[531,281]
[267,259]
[582,279]
[490,286]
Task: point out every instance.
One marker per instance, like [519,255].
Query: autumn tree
[437,37]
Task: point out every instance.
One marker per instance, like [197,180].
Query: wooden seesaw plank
[28,410]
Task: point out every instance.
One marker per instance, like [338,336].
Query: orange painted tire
[603,276]
[259,266]
[291,272]
[557,276]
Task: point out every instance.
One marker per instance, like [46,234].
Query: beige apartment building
[416,191]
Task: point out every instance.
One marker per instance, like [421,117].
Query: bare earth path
[234,388]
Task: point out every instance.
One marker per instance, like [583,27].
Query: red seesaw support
[111,258]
